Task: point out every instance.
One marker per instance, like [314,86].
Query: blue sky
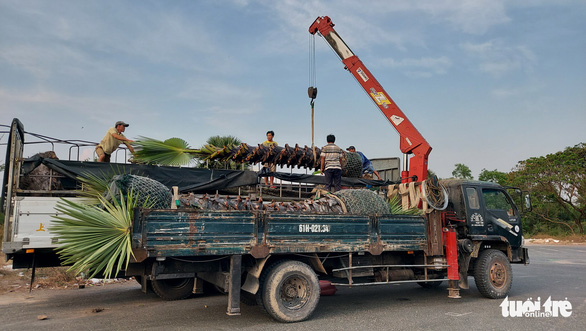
[488,83]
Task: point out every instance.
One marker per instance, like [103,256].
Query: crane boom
[411,141]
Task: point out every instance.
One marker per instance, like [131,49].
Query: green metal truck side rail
[259,233]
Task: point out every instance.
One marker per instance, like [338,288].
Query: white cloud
[378,23]
[498,59]
[97,108]
[423,67]
[528,90]
[102,33]
[221,104]
[469,16]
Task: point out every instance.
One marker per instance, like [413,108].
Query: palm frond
[173,151]
[95,239]
[221,141]
[96,234]
[396,207]
[94,185]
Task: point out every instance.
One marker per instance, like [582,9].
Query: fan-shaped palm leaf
[173,151]
[95,240]
[222,141]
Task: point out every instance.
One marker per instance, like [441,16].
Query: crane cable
[312,89]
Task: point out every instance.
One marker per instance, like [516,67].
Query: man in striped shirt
[331,164]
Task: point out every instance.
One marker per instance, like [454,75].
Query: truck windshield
[496,199]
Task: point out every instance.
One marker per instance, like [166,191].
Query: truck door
[501,215]
[475,214]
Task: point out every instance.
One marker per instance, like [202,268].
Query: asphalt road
[556,271]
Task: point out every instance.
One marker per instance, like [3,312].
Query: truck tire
[290,291]
[173,289]
[493,274]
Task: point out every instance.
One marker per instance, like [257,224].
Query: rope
[430,193]
[342,204]
[404,192]
[392,190]
[434,194]
[320,192]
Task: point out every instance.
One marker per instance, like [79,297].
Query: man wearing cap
[366,164]
[112,140]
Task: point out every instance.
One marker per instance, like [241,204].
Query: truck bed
[161,233]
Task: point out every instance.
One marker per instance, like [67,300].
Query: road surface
[555,271]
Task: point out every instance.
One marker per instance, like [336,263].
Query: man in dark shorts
[331,164]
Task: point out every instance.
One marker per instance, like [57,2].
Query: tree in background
[557,183]
[462,171]
[494,176]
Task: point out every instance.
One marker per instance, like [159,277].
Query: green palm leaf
[95,238]
[173,151]
[222,141]
[396,207]
[93,185]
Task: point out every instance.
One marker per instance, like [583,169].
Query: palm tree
[223,141]
[225,152]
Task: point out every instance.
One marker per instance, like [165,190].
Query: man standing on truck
[269,167]
[113,138]
[367,167]
[331,161]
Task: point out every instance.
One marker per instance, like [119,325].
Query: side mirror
[528,206]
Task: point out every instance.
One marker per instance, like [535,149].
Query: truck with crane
[276,259]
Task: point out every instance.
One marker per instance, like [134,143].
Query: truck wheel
[173,289]
[290,291]
[493,274]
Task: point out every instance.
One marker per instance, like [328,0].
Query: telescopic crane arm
[411,141]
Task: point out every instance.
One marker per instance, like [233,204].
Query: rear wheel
[290,291]
[173,289]
[493,274]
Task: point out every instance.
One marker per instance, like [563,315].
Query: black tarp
[187,179]
[311,179]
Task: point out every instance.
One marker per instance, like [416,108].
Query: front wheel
[493,274]
[290,291]
[173,289]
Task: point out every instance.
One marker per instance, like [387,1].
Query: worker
[266,166]
[113,138]
[367,167]
[331,164]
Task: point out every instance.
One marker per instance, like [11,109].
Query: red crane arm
[411,141]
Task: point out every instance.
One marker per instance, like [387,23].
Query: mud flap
[234,286]
[465,249]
